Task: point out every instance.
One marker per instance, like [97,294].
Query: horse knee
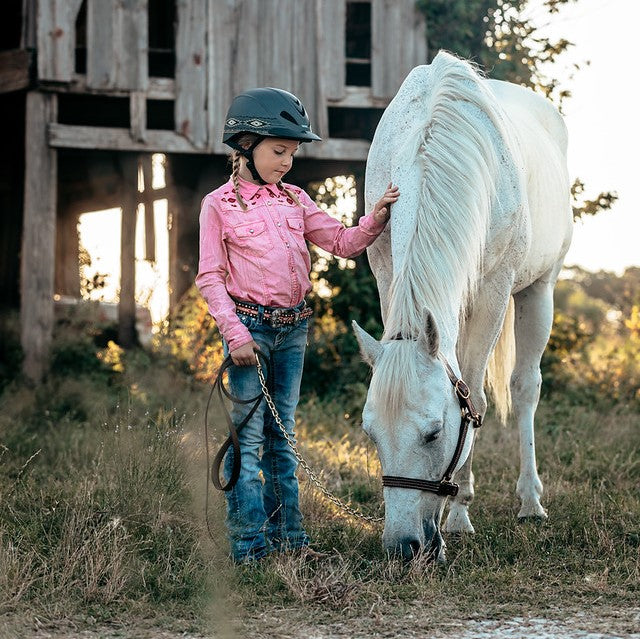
[525,385]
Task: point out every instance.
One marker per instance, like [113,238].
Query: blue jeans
[263,513]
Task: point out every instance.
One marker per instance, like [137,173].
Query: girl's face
[273,158]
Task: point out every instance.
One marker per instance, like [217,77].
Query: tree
[502,37]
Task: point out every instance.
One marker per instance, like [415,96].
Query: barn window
[160,115]
[162,38]
[93,110]
[358,44]
[353,124]
[81,39]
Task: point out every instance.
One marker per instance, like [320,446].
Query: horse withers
[465,272]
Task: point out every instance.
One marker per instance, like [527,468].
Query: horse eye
[432,436]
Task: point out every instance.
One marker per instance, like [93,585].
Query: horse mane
[456,148]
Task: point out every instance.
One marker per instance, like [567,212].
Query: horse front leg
[533,321]
[458,517]
[476,343]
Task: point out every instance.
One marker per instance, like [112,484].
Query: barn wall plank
[398,43]
[191,72]
[221,22]
[101,34]
[332,47]
[275,53]
[132,53]
[56,34]
[245,55]
[307,83]
[118,43]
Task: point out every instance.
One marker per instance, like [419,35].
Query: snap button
[269,202]
[250,230]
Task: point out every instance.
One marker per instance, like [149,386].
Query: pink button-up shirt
[260,255]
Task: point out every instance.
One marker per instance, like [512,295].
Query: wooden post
[147,198]
[127,304]
[37,262]
[67,272]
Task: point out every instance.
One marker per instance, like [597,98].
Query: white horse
[466,270]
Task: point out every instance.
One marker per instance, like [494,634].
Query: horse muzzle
[428,545]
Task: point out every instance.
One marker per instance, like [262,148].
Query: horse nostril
[414,544]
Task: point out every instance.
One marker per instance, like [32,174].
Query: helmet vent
[288,116]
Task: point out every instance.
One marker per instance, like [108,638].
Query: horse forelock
[394,380]
[455,146]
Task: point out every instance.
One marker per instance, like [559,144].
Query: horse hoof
[533,519]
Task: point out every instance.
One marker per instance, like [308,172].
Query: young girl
[254,275]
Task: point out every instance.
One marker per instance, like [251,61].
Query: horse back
[541,136]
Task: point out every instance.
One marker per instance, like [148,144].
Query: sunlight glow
[99,234]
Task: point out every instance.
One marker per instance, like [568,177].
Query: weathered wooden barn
[89,89]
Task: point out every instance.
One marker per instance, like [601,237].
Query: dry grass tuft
[328,582]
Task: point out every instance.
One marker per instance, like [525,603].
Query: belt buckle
[274,318]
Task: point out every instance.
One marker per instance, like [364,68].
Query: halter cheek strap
[468,415]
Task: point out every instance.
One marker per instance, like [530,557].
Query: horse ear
[429,337]
[370,348]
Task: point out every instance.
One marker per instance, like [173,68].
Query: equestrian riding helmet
[267,112]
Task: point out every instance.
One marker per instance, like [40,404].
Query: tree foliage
[505,40]
[499,35]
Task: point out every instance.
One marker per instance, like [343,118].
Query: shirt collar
[249,189]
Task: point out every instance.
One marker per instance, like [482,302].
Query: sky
[604,129]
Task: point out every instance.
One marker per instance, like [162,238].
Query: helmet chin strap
[248,155]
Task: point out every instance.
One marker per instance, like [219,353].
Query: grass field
[102,522]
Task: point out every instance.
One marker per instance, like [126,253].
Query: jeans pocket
[248,320]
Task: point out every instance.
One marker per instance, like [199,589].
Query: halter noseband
[445,487]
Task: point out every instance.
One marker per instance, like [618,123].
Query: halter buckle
[462,390]
[448,489]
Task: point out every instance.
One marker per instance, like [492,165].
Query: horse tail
[501,364]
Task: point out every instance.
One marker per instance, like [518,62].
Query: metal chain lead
[312,476]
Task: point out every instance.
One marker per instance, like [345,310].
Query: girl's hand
[382,209]
[244,355]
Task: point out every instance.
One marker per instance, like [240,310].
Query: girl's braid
[291,194]
[235,159]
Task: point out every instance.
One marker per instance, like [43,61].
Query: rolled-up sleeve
[332,236]
[212,276]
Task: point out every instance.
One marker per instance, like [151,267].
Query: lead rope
[310,473]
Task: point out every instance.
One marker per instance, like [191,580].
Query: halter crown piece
[266,112]
[468,415]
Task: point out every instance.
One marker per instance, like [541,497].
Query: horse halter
[445,487]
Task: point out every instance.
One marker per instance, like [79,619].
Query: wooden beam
[158,89]
[65,136]
[37,261]
[67,273]
[148,198]
[14,70]
[111,139]
[138,115]
[359,98]
[127,304]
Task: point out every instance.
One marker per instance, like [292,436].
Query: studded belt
[275,317]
